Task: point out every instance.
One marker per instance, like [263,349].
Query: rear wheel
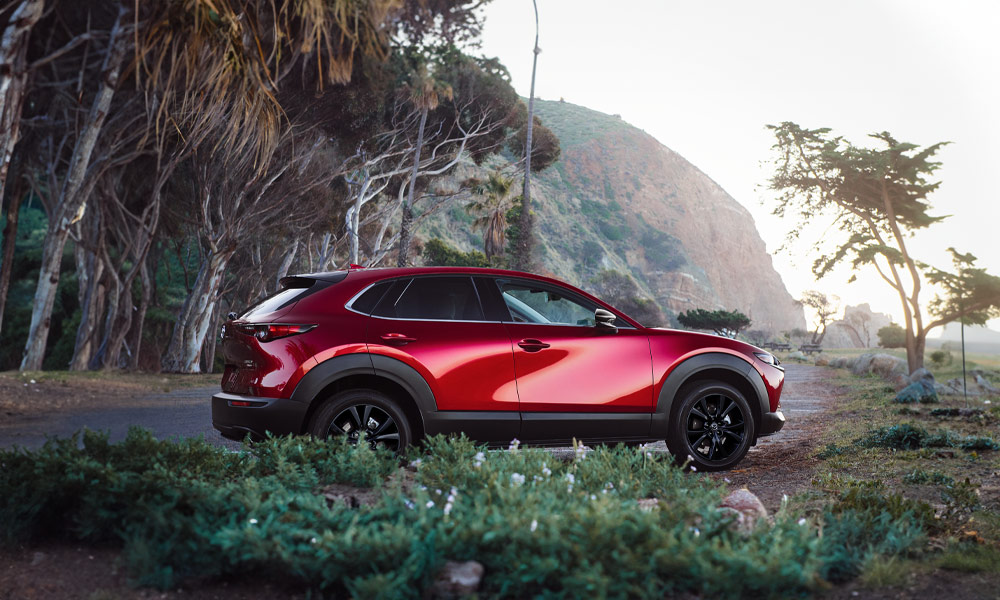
[366,412]
[714,427]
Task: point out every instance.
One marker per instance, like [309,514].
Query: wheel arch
[387,375]
[710,366]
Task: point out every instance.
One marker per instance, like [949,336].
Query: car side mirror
[605,319]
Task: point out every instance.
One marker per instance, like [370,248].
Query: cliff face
[618,199]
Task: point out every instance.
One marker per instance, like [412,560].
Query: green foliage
[892,336]
[941,358]
[663,251]
[919,476]
[722,322]
[539,526]
[437,253]
[906,436]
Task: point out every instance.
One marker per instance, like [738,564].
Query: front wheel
[371,413]
[714,427]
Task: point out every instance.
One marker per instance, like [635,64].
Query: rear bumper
[266,415]
[771,423]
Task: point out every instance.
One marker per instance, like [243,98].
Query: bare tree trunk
[13,50]
[140,318]
[404,226]
[184,352]
[524,252]
[9,240]
[71,204]
[90,274]
[286,264]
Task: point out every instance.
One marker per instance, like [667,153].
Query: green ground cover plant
[540,526]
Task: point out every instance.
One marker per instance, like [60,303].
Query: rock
[821,361]
[883,365]
[746,507]
[925,378]
[983,383]
[648,504]
[842,362]
[956,384]
[457,579]
[37,558]
[796,355]
[916,392]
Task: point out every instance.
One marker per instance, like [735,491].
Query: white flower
[514,443]
[987,402]
[438,492]
[649,454]
[546,471]
[32,381]
[694,469]
[697,532]
[536,478]
[569,488]
[253,521]
[516,479]
[416,463]
[409,504]
[570,478]
[593,497]
[313,541]
[534,524]
[802,521]
[430,504]
[609,486]
[479,457]
[726,479]
[581,452]
[447,508]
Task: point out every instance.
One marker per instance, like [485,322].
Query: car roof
[377,273]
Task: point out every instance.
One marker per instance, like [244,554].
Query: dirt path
[782,464]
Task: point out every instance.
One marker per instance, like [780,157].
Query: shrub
[539,526]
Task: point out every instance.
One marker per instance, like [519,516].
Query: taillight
[266,332]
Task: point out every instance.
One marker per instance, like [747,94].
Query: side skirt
[542,429]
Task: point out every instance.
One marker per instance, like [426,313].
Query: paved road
[181,413]
[187,413]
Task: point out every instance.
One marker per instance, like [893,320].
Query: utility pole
[526,240]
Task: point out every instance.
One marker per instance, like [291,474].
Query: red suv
[397,354]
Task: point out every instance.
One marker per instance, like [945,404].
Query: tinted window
[439,298]
[366,302]
[276,302]
[536,304]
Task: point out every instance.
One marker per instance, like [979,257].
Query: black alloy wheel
[363,413]
[714,428]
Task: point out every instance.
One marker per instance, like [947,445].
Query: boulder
[821,361]
[796,355]
[842,362]
[924,377]
[457,579]
[746,507]
[986,385]
[883,365]
[916,392]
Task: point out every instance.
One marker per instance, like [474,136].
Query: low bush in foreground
[540,526]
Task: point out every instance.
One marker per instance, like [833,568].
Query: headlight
[769,359]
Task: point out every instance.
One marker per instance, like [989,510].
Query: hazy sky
[705,77]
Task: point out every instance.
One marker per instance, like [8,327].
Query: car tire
[372,412]
[713,428]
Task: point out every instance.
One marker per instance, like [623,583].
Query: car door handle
[531,345]
[398,338]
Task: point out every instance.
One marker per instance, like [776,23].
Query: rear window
[279,300]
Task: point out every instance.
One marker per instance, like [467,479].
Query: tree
[439,254]
[425,93]
[860,322]
[825,307]
[621,291]
[725,323]
[892,336]
[878,197]
[492,205]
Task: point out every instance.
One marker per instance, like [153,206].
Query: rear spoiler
[308,279]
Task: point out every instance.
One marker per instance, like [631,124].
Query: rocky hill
[618,199]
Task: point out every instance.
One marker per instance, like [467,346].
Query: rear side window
[437,298]
[366,302]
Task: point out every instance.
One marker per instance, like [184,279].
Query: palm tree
[425,95]
[492,206]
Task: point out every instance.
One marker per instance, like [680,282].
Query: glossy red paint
[468,365]
[582,370]
[487,365]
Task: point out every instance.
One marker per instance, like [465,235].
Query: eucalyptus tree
[523,253]
[825,307]
[878,198]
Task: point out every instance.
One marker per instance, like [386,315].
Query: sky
[706,77]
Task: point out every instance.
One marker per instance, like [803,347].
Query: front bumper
[264,415]
[771,423]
